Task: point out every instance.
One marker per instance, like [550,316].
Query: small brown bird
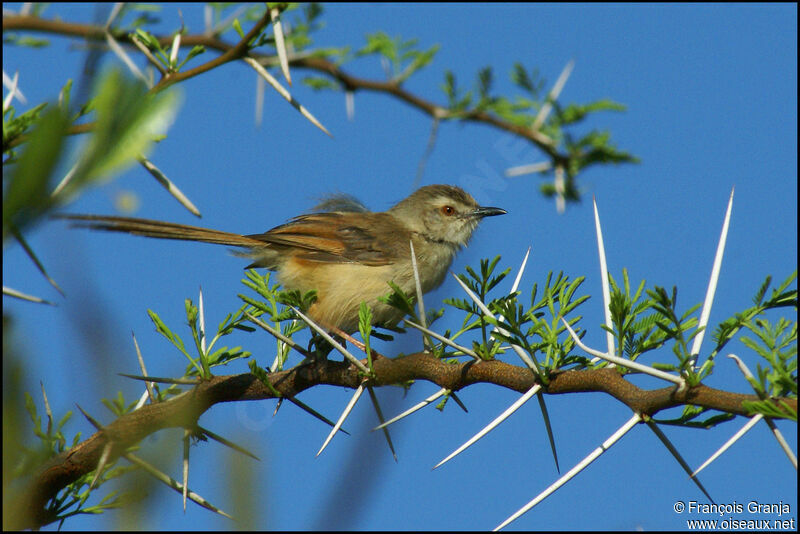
[343,251]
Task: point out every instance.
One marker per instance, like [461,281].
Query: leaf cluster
[52,441]
[641,321]
[127,121]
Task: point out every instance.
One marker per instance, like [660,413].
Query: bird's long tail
[159,229]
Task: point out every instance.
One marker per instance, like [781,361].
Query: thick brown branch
[183,411]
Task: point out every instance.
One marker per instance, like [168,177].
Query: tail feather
[160,230]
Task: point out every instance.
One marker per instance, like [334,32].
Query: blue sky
[711,95]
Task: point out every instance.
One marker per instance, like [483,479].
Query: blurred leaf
[532,83]
[27,194]
[577,112]
[484,82]
[399,300]
[16,126]
[766,407]
[238,27]
[600,150]
[379,43]
[152,43]
[128,119]
[195,51]
[691,412]
[318,83]
[24,40]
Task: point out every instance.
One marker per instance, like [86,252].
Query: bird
[343,251]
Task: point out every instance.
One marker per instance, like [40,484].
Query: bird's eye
[448,210]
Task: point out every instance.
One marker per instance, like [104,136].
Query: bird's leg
[347,337]
[358,344]
[319,347]
[323,348]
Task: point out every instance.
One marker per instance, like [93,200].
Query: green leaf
[318,83]
[151,43]
[195,51]
[379,43]
[24,40]
[449,86]
[238,27]
[600,150]
[263,377]
[13,127]
[769,409]
[27,194]
[577,112]
[128,119]
[398,299]
[484,82]
[64,95]
[418,60]
[533,84]
[365,329]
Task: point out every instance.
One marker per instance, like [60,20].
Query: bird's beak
[482,211]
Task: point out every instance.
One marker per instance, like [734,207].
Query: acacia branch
[231,52]
[183,411]
[89,32]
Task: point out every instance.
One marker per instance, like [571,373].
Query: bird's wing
[337,237]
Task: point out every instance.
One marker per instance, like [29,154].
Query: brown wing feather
[340,237]
[333,237]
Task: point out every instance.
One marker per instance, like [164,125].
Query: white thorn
[413,409]
[497,420]
[731,441]
[626,363]
[712,284]
[554,94]
[575,470]
[332,341]
[601,251]
[342,417]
